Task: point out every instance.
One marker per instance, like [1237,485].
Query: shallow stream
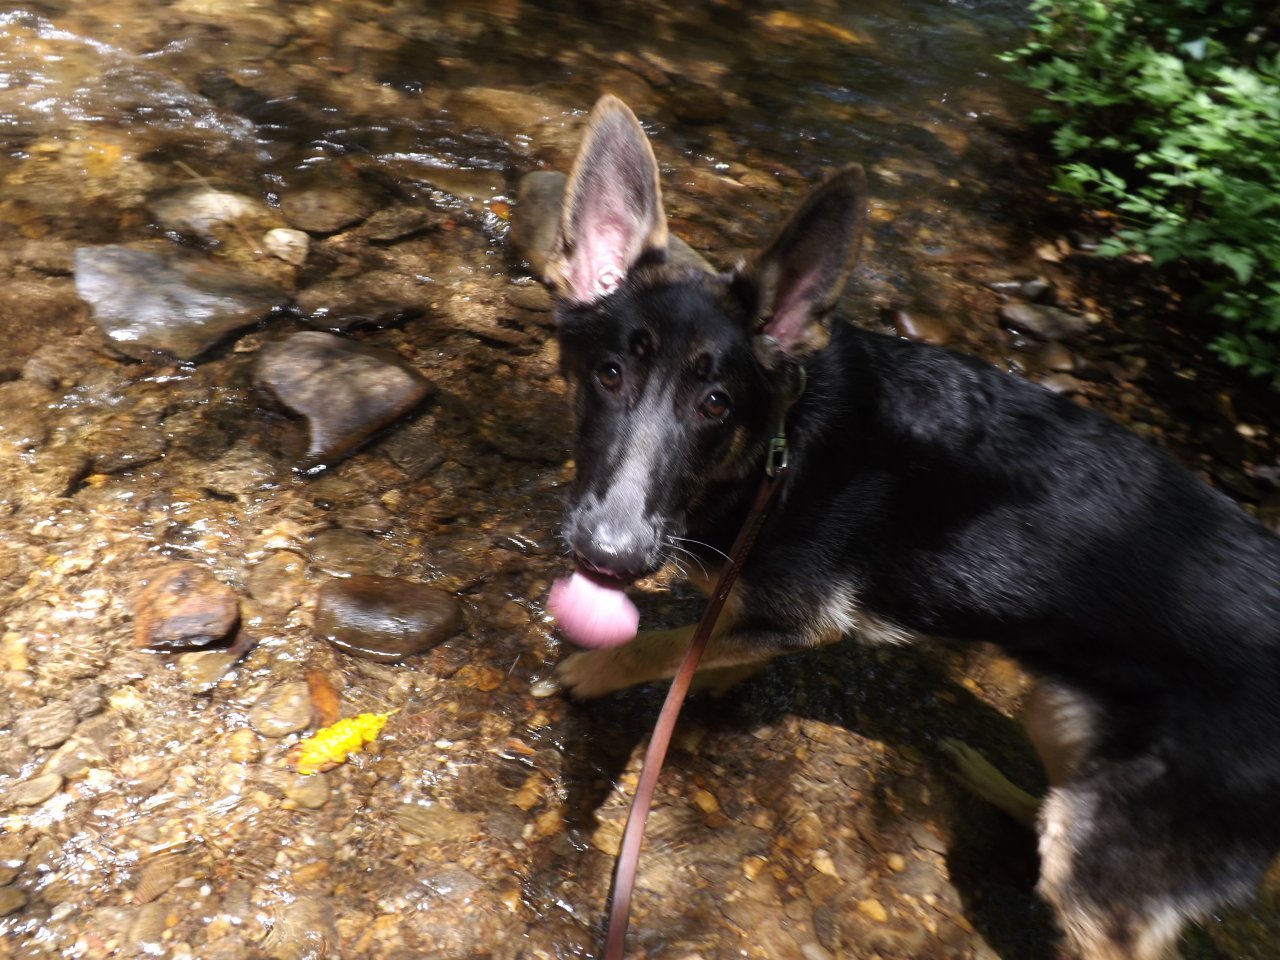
[350,167]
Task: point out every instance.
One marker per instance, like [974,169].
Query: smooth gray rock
[147,300]
[347,391]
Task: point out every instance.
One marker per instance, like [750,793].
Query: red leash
[629,854]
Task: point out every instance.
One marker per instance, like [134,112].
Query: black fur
[931,494]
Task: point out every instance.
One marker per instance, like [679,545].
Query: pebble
[384,619]
[204,669]
[923,329]
[199,211]
[327,208]
[346,391]
[35,791]
[378,298]
[345,552]
[873,910]
[291,246]
[436,823]
[1043,321]
[310,792]
[49,725]
[184,607]
[149,300]
[1056,357]
[282,710]
[11,900]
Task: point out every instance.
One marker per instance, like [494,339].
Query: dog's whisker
[699,543]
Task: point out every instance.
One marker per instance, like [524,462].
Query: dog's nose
[614,552]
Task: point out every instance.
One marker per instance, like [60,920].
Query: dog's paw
[584,675]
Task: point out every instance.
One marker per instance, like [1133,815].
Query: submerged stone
[184,607]
[385,619]
[346,391]
[1043,321]
[148,300]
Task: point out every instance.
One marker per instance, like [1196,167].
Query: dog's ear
[796,281]
[612,215]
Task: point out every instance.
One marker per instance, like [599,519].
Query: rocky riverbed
[283,439]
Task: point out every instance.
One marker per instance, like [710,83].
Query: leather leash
[624,876]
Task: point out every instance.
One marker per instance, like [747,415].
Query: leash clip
[776,461]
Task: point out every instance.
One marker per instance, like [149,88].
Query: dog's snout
[616,550]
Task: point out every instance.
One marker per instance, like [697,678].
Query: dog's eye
[610,376]
[715,405]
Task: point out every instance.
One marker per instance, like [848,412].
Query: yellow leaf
[335,743]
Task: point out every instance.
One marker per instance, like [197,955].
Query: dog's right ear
[794,284]
[612,216]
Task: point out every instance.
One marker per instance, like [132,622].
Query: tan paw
[585,675]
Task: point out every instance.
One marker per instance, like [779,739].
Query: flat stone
[184,607]
[148,301]
[35,791]
[205,212]
[346,391]
[385,619]
[282,710]
[327,208]
[1043,321]
[49,725]
[11,900]
[373,298]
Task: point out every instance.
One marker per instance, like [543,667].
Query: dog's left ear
[796,281]
[612,216]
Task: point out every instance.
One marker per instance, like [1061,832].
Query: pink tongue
[592,614]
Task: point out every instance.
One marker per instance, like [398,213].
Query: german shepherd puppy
[928,494]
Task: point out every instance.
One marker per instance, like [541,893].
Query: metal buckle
[776,461]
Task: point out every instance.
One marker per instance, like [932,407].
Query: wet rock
[282,710]
[346,391]
[182,607]
[1054,356]
[310,792]
[699,105]
[147,300]
[436,824]
[327,208]
[374,298]
[11,900]
[346,552]
[24,414]
[206,213]
[917,327]
[35,791]
[301,929]
[1043,321]
[535,224]
[398,223]
[203,670]
[384,619]
[414,449]
[278,581]
[49,725]
[291,246]
[1063,383]
[41,311]
[509,113]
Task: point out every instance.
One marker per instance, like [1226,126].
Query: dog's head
[681,374]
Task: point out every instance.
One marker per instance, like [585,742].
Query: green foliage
[1167,112]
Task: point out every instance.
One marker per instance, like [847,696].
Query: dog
[928,494]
